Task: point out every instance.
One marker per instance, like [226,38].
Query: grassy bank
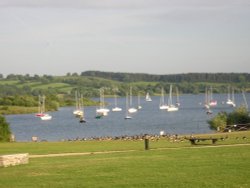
[119,145]
[169,163]
[183,167]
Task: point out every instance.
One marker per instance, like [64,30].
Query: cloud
[76,3]
[129,32]
[129,4]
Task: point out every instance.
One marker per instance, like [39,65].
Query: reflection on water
[191,118]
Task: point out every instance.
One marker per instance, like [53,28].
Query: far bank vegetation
[23,90]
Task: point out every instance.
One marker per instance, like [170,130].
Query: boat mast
[245,100]
[170,95]
[130,99]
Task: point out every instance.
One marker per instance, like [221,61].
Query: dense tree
[18,100]
[174,78]
[4,130]
[222,119]
[11,77]
[219,122]
[238,116]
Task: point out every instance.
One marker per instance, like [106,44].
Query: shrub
[222,119]
[4,130]
[219,122]
[239,116]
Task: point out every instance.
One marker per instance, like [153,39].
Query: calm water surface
[191,118]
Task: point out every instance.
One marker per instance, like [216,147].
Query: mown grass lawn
[118,145]
[166,164]
[176,167]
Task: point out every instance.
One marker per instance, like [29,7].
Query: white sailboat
[78,111]
[177,97]
[162,105]
[139,102]
[45,116]
[245,100]
[148,98]
[206,102]
[127,116]
[171,107]
[212,102]
[82,114]
[40,107]
[116,108]
[230,98]
[102,110]
[131,108]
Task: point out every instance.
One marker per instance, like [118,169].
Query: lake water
[191,118]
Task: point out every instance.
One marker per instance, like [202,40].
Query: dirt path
[126,151]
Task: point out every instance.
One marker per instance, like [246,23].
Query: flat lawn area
[174,167]
[168,163]
[118,145]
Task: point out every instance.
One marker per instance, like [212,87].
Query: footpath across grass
[177,164]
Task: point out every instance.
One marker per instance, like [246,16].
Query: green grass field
[166,164]
[8,82]
[17,110]
[61,87]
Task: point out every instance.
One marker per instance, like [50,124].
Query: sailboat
[127,116]
[162,105]
[44,116]
[245,100]
[116,108]
[212,102]
[177,97]
[102,110]
[230,99]
[82,119]
[40,107]
[206,103]
[139,102]
[148,98]
[78,111]
[131,109]
[171,107]
[81,109]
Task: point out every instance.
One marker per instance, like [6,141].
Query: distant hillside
[174,78]
[89,83]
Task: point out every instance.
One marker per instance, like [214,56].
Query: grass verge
[178,164]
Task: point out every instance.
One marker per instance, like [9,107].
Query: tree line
[137,77]
[175,78]
[89,83]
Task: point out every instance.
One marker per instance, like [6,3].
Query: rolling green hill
[61,89]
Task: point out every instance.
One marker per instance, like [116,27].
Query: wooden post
[146,142]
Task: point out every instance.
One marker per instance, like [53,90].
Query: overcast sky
[144,36]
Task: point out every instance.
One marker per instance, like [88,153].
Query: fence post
[146,142]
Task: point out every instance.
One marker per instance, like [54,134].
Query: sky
[56,37]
